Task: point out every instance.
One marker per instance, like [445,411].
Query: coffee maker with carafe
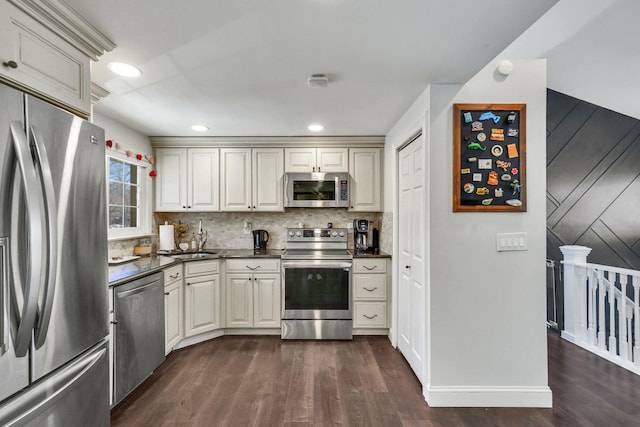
[362,235]
[260,239]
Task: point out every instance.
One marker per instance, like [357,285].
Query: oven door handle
[344,264]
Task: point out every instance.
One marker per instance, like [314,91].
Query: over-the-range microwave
[316,190]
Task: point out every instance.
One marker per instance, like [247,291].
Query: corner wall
[486,333]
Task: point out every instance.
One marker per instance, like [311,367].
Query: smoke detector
[317,80]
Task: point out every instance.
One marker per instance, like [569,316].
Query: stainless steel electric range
[317,285]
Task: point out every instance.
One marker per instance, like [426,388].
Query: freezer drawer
[75,395]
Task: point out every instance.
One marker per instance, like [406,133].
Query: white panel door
[239,301]
[299,159]
[365,170]
[332,160]
[172,315]
[235,179]
[268,179]
[171,181]
[203,181]
[412,244]
[202,312]
[266,300]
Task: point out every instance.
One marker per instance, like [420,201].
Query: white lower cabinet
[370,278]
[202,297]
[253,293]
[173,303]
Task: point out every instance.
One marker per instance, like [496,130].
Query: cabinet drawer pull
[369,268]
[174,276]
[370,317]
[253,268]
[370,290]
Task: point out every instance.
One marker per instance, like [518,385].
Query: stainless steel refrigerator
[53,250]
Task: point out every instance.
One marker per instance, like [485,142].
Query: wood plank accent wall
[593,181]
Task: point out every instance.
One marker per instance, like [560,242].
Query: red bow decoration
[152,173]
[109,143]
[139,156]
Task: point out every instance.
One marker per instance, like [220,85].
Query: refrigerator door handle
[6,307]
[51,216]
[35,216]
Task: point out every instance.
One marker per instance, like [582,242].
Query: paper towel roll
[166,238]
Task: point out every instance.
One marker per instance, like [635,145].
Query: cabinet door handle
[407,266]
[188,284]
[10,64]
[253,268]
[167,293]
[370,317]
[369,268]
[370,290]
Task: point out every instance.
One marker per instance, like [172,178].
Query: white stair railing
[599,313]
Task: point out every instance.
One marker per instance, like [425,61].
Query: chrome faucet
[202,237]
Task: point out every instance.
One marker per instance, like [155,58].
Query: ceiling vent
[318,80]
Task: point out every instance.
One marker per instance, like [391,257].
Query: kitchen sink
[195,255]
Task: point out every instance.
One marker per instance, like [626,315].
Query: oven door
[316,289]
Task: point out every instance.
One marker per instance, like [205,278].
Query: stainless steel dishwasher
[139,332]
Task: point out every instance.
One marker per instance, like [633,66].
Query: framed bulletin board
[489,158]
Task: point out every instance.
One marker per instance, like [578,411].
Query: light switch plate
[511,242]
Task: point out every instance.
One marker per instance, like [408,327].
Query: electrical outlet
[246,227]
[350,225]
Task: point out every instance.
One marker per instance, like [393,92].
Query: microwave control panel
[344,190]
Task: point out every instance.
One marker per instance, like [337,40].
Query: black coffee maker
[365,236]
[260,239]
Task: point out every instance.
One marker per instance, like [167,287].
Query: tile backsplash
[226,229]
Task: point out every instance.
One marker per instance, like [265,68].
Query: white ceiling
[240,66]
[591,48]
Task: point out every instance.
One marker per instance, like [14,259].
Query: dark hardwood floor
[264,381]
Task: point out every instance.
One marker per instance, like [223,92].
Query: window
[128,197]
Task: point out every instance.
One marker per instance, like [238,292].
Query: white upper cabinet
[187,179]
[203,170]
[365,169]
[235,179]
[268,179]
[34,55]
[311,159]
[251,179]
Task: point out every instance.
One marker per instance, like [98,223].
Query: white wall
[486,331]
[128,138]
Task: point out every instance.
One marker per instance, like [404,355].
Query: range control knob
[341,234]
[334,233]
[299,233]
[291,233]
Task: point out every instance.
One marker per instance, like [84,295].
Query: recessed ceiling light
[315,128]
[200,128]
[125,70]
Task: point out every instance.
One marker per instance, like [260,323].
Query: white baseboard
[498,397]
[568,336]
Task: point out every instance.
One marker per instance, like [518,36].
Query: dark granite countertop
[122,273]
[378,254]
